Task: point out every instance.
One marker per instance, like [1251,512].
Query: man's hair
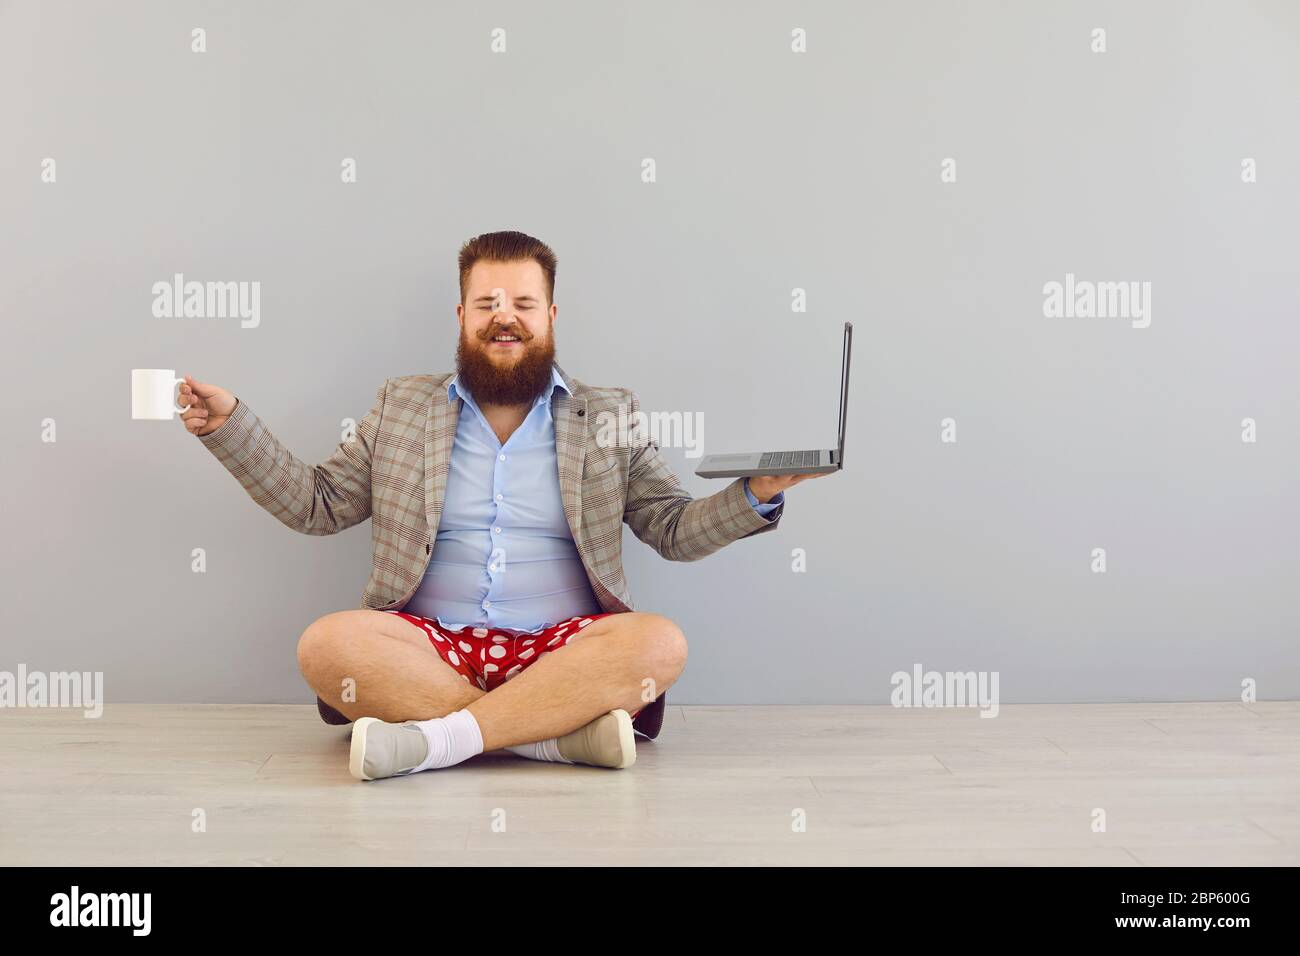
[507,246]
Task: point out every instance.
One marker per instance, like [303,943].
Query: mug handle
[176,408]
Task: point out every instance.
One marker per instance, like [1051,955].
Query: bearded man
[496,616]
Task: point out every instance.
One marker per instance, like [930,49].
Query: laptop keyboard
[789,459]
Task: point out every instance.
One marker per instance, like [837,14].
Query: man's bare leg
[396,672]
[399,676]
[574,710]
[614,662]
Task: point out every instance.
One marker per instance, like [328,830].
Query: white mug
[153,393]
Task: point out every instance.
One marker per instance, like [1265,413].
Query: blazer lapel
[439,436]
[571,451]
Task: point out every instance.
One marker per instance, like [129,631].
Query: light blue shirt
[504,556]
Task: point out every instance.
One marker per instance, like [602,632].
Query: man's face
[507,343]
[506,313]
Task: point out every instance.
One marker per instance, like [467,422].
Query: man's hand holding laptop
[767,487]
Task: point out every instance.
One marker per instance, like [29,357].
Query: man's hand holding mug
[210,406]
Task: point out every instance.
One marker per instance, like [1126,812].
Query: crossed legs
[620,661]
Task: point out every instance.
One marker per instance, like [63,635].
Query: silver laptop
[812,462]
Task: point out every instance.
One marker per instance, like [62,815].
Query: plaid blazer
[395,474]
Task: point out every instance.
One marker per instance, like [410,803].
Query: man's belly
[524,583]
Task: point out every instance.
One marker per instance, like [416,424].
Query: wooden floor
[1181,784]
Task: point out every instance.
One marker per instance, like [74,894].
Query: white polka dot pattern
[489,656]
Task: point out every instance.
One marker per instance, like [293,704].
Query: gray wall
[775,171]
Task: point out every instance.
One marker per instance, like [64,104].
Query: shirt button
[501,497]
[486,605]
[496,530]
[502,457]
[492,567]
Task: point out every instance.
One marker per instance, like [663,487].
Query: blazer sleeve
[663,514]
[314,499]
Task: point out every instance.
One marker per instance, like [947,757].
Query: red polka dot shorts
[489,656]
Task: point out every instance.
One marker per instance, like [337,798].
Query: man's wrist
[757,488]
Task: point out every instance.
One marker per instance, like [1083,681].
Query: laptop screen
[844,387]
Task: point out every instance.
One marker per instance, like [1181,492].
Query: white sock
[451,739]
[548,750]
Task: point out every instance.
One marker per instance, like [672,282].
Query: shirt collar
[557,381]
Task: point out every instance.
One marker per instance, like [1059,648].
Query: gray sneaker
[381,749]
[605,742]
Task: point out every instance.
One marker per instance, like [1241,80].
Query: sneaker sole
[357,755]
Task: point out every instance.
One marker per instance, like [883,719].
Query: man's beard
[519,384]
